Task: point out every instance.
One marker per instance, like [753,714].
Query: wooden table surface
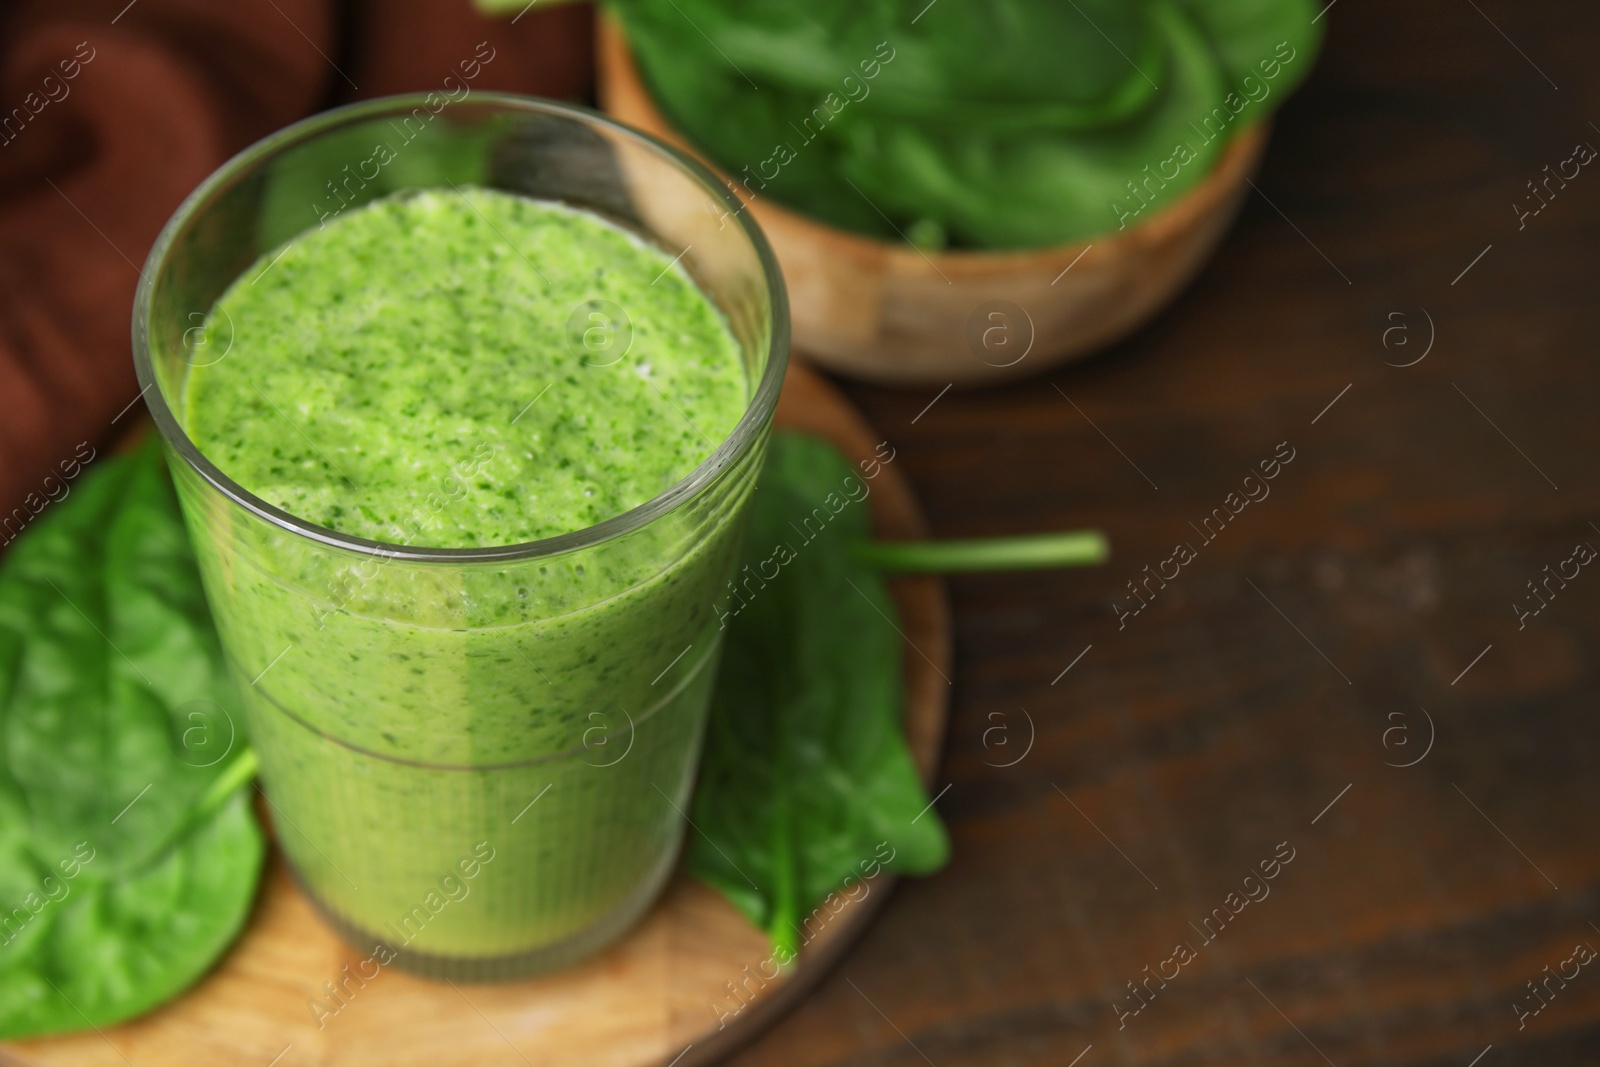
[1362,616]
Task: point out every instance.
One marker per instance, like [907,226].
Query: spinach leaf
[896,120]
[806,780]
[1253,37]
[128,854]
[935,60]
[1022,190]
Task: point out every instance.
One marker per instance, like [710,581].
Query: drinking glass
[476,760]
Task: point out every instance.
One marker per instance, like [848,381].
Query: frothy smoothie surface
[450,370]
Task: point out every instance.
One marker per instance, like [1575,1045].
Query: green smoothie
[375,360]
[482,763]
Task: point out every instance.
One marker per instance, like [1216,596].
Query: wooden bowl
[887,312]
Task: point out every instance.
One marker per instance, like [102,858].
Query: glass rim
[758,412]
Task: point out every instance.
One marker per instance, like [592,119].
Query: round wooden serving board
[658,996]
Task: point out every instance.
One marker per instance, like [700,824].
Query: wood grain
[886,312]
[659,993]
[1211,728]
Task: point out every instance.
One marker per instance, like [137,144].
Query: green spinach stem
[785,907]
[1075,548]
[241,770]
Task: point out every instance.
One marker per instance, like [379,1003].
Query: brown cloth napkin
[111,112]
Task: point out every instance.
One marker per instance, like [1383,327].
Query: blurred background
[1361,670]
